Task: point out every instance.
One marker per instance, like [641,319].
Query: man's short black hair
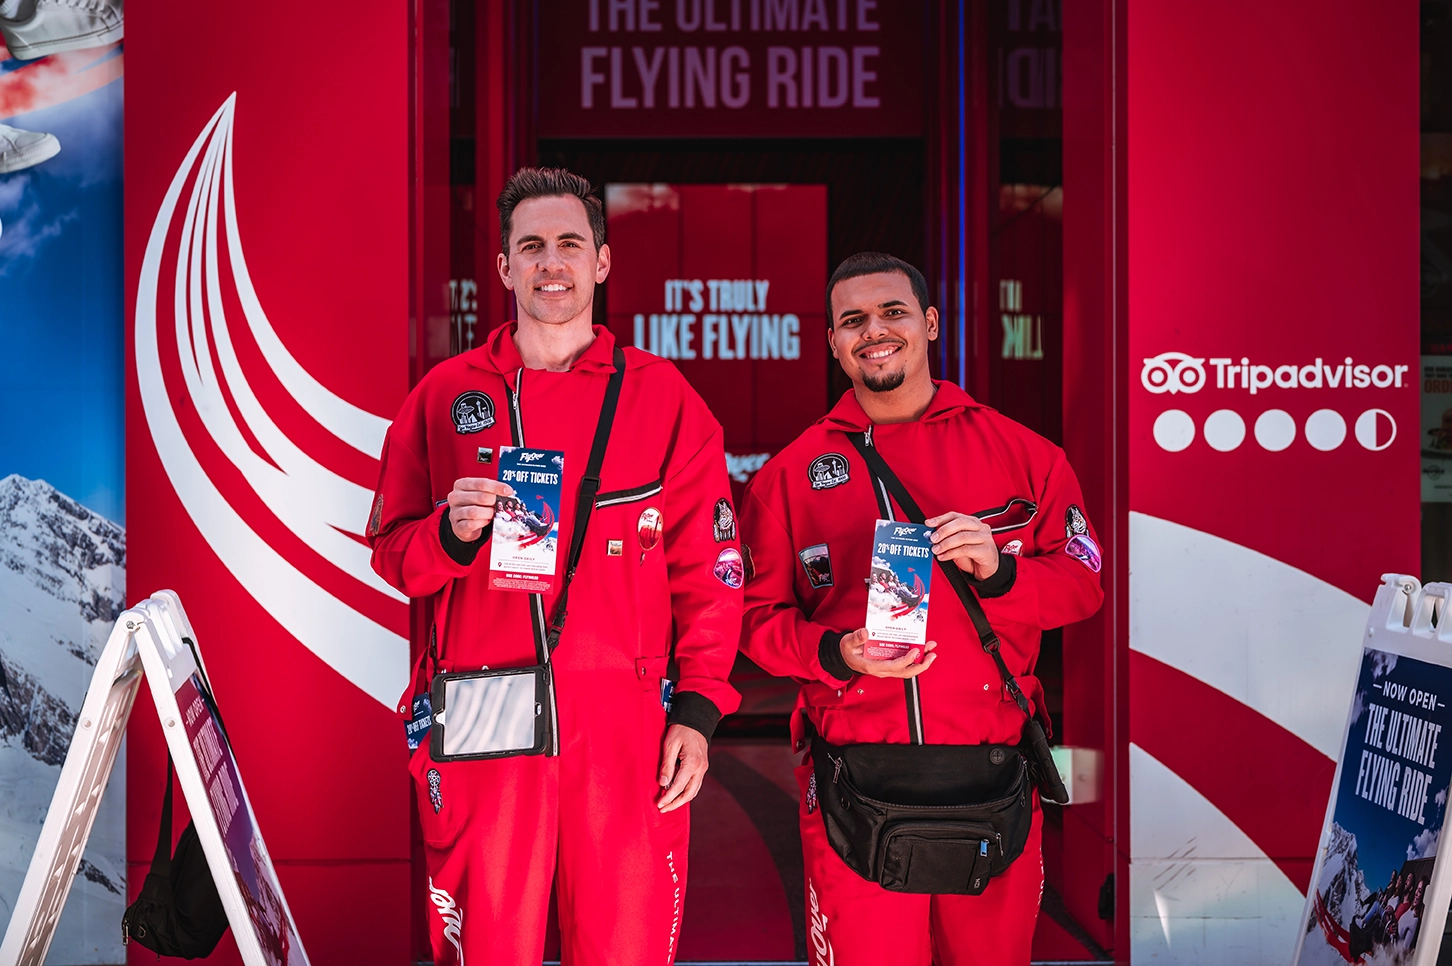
[529,183]
[875,263]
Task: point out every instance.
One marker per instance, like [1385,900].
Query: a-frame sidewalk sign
[1380,885]
[155,640]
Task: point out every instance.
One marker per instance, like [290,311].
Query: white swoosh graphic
[311,501]
[1200,891]
[1271,636]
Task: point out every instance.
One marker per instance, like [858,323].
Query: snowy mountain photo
[62,585]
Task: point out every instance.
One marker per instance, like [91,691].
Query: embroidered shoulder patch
[472,412]
[375,519]
[827,471]
[818,565]
[1074,521]
[723,521]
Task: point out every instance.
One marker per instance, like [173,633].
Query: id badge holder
[490,714]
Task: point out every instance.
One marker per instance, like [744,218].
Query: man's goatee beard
[884,383]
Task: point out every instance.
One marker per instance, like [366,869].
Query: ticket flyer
[897,590]
[527,525]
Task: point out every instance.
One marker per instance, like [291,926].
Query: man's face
[879,334]
[553,266]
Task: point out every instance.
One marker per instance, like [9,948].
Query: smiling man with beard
[602,812]
[926,848]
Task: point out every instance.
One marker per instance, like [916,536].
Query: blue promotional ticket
[897,589]
[527,525]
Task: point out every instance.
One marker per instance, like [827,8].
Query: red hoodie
[635,601]
[815,502]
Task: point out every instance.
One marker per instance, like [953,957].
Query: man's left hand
[967,541]
[682,766]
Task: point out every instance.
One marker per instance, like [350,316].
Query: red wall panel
[318,186]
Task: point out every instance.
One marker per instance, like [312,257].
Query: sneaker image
[22,149]
[41,27]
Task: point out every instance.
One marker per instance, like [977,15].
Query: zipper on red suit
[912,692]
[536,601]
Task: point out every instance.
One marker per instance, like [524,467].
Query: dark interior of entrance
[992,226]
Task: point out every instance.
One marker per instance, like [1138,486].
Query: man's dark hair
[875,263]
[529,183]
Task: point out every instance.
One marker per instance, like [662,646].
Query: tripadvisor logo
[1177,372]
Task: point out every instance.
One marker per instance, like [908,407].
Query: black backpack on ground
[178,912]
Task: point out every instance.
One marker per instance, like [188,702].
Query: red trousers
[852,921]
[498,833]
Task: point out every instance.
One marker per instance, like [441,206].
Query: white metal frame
[151,639]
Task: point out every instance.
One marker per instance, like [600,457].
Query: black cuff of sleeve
[694,711]
[1002,580]
[829,653]
[460,552]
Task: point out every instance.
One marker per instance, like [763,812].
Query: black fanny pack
[940,819]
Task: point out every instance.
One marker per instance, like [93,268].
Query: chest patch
[648,528]
[472,412]
[818,565]
[827,471]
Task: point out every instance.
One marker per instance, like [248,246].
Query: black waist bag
[178,912]
[938,819]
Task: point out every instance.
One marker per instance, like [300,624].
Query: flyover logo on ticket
[897,590]
[527,525]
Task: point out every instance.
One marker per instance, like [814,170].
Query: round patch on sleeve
[1083,549]
[729,569]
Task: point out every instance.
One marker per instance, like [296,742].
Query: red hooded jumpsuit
[498,832]
[808,520]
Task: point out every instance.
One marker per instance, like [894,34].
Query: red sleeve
[404,528]
[1058,584]
[775,632]
[706,608]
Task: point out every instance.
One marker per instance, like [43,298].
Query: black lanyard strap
[956,578]
[584,499]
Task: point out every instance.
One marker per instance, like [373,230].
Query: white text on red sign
[733,323]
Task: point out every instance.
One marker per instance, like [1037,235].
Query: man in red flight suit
[1006,508]
[658,584]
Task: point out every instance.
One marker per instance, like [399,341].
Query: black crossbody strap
[956,578]
[589,488]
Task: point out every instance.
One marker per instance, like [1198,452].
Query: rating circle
[1174,430]
[1275,430]
[1325,430]
[1372,429]
[1224,430]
